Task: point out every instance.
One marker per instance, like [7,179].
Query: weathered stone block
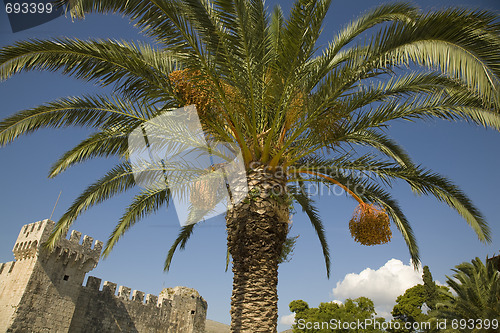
[93,282]
[138,296]
[75,237]
[87,242]
[98,246]
[151,299]
[109,287]
[124,292]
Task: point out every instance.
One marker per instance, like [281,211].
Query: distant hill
[216,327]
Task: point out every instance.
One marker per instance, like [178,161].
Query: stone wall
[14,277]
[42,292]
[103,311]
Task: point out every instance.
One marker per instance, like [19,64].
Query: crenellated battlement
[110,288]
[32,236]
[7,267]
[71,250]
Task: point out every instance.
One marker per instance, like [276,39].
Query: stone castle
[42,291]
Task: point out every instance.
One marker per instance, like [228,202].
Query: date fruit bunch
[370,225]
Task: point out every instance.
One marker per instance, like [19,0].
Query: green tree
[477,289]
[410,307]
[430,289]
[298,306]
[260,83]
[356,315]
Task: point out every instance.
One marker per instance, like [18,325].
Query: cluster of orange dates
[193,88]
[370,225]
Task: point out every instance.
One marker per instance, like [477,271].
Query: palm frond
[426,182]
[143,204]
[116,181]
[134,68]
[98,111]
[180,241]
[424,107]
[377,140]
[161,20]
[477,289]
[457,42]
[312,213]
[101,144]
[421,181]
[329,59]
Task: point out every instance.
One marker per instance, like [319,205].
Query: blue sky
[468,155]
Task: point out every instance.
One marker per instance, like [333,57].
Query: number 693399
[28,8]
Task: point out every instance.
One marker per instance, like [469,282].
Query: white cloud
[288,319]
[382,286]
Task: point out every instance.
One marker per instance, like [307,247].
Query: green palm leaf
[312,213]
[116,181]
[143,204]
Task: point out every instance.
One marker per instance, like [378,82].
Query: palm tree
[298,114]
[477,301]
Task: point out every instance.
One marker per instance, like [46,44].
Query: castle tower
[188,309]
[40,288]
[41,291]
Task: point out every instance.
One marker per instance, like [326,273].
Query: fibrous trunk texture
[256,231]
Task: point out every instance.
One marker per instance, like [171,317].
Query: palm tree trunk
[256,231]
